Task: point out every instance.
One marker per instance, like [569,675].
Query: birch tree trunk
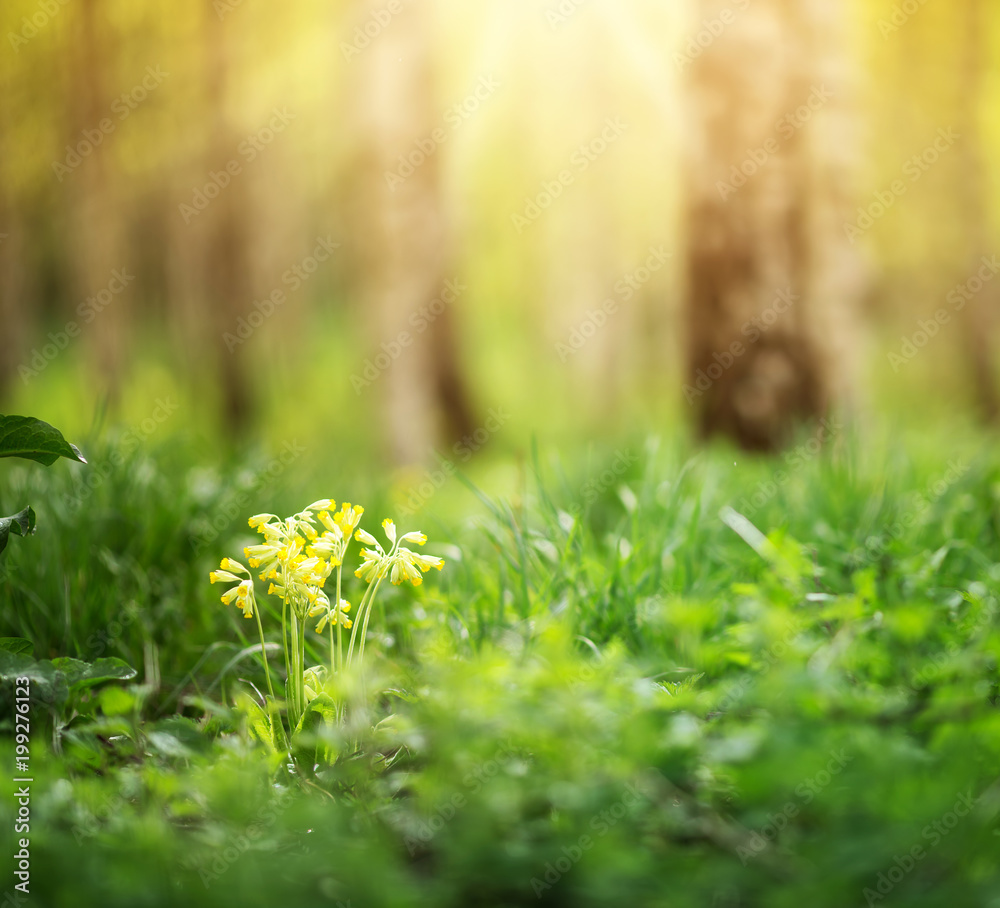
[772,278]
[96,226]
[979,315]
[425,394]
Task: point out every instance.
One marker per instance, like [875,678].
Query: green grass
[617,692]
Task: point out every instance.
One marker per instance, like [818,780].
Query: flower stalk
[297,556]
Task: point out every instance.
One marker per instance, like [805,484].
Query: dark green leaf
[32,439]
[81,675]
[20,524]
[17,645]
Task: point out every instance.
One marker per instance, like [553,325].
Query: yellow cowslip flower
[367,538]
[329,546]
[405,564]
[390,530]
[424,562]
[242,592]
[330,615]
[227,566]
[259,520]
[324,504]
[348,518]
[301,581]
[416,536]
[372,566]
[404,570]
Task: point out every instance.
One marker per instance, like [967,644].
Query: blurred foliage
[618,690]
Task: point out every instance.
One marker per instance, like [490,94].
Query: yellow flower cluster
[400,563]
[298,556]
[242,592]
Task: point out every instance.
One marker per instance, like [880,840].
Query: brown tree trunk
[979,314]
[13,306]
[96,228]
[224,232]
[425,389]
[771,277]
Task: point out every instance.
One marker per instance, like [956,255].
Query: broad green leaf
[32,439]
[13,665]
[20,524]
[321,708]
[258,722]
[80,675]
[48,684]
[17,645]
[186,732]
[116,702]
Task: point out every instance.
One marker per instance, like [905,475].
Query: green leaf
[116,702]
[20,524]
[258,722]
[32,439]
[80,675]
[321,709]
[48,685]
[17,645]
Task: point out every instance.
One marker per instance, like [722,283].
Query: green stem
[340,640]
[295,674]
[284,634]
[302,665]
[368,612]
[263,651]
[357,624]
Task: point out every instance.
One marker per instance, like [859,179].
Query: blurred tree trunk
[978,317]
[223,234]
[425,389]
[771,277]
[13,310]
[96,225]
